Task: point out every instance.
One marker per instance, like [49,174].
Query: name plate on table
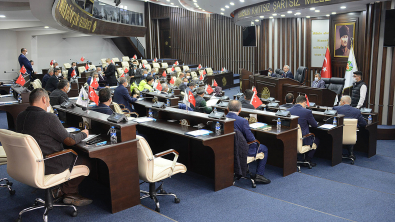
[217,115]
[330,112]
[117,117]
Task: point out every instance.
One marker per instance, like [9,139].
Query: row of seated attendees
[284,73]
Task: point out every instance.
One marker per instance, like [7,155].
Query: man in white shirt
[359,90]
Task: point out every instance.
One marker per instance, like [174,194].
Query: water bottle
[141,95]
[218,128]
[264,109]
[370,119]
[19,98]
[150,113]
[215,110]
[55,111]
[278,124]
[334,121]
[113,134]
[11,91]
[237,98]
[168,102]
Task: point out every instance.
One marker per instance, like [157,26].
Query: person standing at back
[359,90]
[23,61]
[109,72]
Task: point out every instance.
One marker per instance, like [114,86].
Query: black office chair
[336,85]
[300,74]
[327,82]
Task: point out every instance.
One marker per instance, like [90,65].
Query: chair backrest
[38,82]
[350,131]
[164,65]
[209,71]
[67,65]
[193,74]
[115,59]
[300,74]
[22,154]
[81,69]
[148,67]
[34,84]
[125,59]
[168,70]
[300,148]
[144,61]
[92,67]
[103,62]
[336,85]
[185,68]
[277,71]
[327,81]
[117,108]
[120,72]
[145,159]
[177,69]
[125,65]
[155,65]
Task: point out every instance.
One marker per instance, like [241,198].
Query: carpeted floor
[361,192]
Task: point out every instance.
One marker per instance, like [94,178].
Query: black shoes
[262,179]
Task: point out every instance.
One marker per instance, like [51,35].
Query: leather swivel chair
[154,168]
[119,72]
[177,69]
[115,60]
[103,62]
[300,74]
[185,68]
[148,67]
[155,65]
[38,82]
[26,165]
[164,64]
[327,82]
[81,69]
[144,61]
[125,65]
[125,59]
[209,71]
[6,182]
[350,136]
[303,149]
[336,85]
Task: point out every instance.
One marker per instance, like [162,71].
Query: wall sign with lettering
[319,41]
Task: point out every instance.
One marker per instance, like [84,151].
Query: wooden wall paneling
[308,50]
[377,21]
[273,36]
[287,61]
[278,21]
[391,92]
[283,24]
[267,43]
[292,43]
[297,46]
[368,39]
[302,42]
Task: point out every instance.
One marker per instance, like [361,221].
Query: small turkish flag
[172,80]
[23,70]
[215,83]
[204,72]
[73,74]
[256,102]
[126,70]
[222,69]
[172,69]
[254,90]
[308,103]
[94,84]
[82,59]
[51,63]
[164,74]
[143,66]
[176,63]
[200,66]
[209,90]
[159,86]
[326,71]
[191,98]
[135,57]
[21,81]
[93,96]
[86,66]
[112,61]
[155,60]
[123,75]
[201,78]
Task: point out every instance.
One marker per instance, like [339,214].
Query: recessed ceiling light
[256,20]
[307,16]
[194,0]
[261,16]
[312,9]
[241,0]
[172,3]
[232,3]
[282,15]
[46,27]
[226,6]
[327,15]
[222,13]
[317,10]
[271,17]
[168,0]
[2,16]
[298,13]
[343,7]
[274,14]
[203,10]
[289,12]
[222,9]
[333,13]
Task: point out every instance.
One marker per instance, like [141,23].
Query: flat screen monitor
[249,36]
[389,31]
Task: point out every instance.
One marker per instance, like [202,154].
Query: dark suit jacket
[52,83]
[318,84]
[110,74]
[246,104]
[24,61]
[242,125]
[182,87]
[121,96]
[351,113]
[289,75]
[137,76]
[45,80]
[102,108]
[70,71]
[240,154]
[57,97]
[287,105]
[306,118]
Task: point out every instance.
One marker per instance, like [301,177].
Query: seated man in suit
[109,72]
[246,102]
[72,68]
[105,102]
[53,81]
[191,87]
[59,95]
[201,105]
[33,75]
[351,113]
[95,75]
[147,84]
[121,95]
[318,82]
[289,99]
[23,61]
[183,85]
[241,124]
[50,135]
[306,118]
[165,89]
[135,74]
[287,72]
[153,73]
[178,81]
[46,77]
[270,72]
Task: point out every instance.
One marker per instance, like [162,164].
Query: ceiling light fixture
[261,16]
[333,13]
[289,12]
[46,27]
[327,15]
[226,6]
[2,16]
[274,14]
[271,17]
[222,9]
[257,20]
[307,16]
[222,13]
[317,10]
[232,3]
[241,0]
[172,3]
[343,7]
[312,9]
[282,15]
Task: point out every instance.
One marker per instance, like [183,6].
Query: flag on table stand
[176,63]
[135,57]
[209,90]
[112,61]
[254,90]
[159,86]
[23,69]
[191,99]
[172,81]
[21,81]
[126,70]
[222,69]
[93,96]
[123,75]
[326,71]
[83,98]
[350,69]
[200,66]
[73,74]
[215,83]
[86,66]
[201,78]
[140,66]
[255,101]
[94,83]
[307,98]
[51,63]
[143,66]
[204,72]
[172,69]
[185,100]
[155,59]
[82,59]
[164,74]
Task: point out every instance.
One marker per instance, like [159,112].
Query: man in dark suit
[289,99]
[241,124]
[23,61]
[59,95]
[135,74]
[53,81]
[46,77]
[269,72]
[350,113]
[105,102]
[72,68]
[110,73]
[246,102]
[121,95]
[306,118]
[287,72]
[318,82]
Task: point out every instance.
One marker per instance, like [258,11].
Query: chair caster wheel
[162,191]
[12,192]
[10,183]
[352,163]
[310,167]
[254,185]
[176,200]
[19,219]
[157,210]
[74,214]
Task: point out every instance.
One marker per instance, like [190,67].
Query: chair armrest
[60,153]
[255,141]
[164,153]
[308,135]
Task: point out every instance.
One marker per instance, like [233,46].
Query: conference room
[196,110]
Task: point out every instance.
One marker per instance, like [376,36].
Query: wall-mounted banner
[319,41]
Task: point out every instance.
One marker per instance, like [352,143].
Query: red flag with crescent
[93,96]
[21,81]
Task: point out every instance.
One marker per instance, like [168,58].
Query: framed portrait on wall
[344,33]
